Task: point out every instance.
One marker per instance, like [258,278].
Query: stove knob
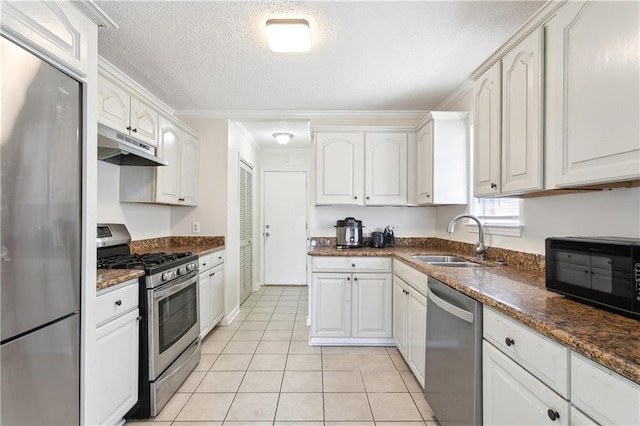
[182,271]
[166,276]
[191,267]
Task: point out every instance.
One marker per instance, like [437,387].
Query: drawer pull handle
[348,278]
[355,278]
[204,264]
[212,274]
[118,302]
[509,341]
[353,265]
[553,415]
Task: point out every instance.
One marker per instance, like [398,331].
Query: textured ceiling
[365,55]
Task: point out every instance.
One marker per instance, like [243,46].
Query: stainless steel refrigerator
[40,156]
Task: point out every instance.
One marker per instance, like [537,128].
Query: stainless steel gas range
[169,329]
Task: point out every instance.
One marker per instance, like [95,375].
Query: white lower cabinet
[578,418]
[351,307]
[410,318]
[512,396]
[603,395]
[116,362]
[211,291]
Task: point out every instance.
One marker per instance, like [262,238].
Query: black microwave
[603,271]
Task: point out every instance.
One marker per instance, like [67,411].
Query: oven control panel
[179,271]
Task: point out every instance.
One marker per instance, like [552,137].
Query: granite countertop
[609,339]
[109,277]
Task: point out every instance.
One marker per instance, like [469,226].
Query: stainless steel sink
[450,261]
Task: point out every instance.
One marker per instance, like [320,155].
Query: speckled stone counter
[198,245]
[607,338]
[110,277]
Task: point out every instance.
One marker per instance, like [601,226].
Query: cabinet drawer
[413,277]
[205,262]
[351,264]
[603,395]
[111,303]
[217,257]
[541,356]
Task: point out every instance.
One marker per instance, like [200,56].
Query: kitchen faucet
[479,249]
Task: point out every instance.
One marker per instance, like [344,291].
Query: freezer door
[41,376]
[41,192]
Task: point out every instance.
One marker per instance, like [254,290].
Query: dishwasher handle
[452,309]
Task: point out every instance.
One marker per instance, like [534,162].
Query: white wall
[211,211]
[142,220]
[608,213]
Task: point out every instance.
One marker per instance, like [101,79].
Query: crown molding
[96,14]
[301,114]
[455,96]
[545,13]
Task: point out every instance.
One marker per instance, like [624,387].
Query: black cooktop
[146,261]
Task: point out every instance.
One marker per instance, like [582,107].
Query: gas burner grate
[140,261]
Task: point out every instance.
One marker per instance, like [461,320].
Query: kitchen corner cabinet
[361,168]
[115,367]
[508,145]
[211,291]
[592,87]
[176,183]
[442,159]
[351,300]
[125,113]
[410,317]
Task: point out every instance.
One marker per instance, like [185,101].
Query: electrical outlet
[195,227]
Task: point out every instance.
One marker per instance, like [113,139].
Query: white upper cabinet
[168,177]
[56,29]
[486,129]
[592,66]
[385,169]
[339,168]
[508,145]
[442,153]
[361,168]
[125,113]
[175,183]
[522,145]
[189,169]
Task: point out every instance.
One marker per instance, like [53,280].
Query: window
[497,211]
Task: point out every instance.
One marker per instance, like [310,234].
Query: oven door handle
[175,287]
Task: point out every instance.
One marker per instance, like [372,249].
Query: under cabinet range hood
[118,148]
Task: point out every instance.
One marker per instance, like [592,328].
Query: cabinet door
[217,295]
[144,122]
[578,418]
[339,168]
[486,129]
[592,92]
[168,177]
[189,170]
[400,297]
[522,116]
[113,105]
[512,396]
[386,169]
[331,310]
[371,305]
[58,30]
[116,368]
[416,333]
[204,303]
[425,164]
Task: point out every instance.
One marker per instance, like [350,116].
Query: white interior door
[285,227]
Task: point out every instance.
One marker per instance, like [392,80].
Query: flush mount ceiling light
[282,138]
[289,35]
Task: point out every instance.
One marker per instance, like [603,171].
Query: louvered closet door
[245,273]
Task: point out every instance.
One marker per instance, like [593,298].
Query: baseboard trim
[351,341]
[228,319]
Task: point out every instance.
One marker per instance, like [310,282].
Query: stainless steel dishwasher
[453,373]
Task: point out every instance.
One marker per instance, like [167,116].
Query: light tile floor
[260,370]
